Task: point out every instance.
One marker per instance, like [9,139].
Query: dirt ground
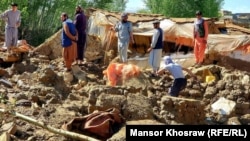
[41,90]
[38,87]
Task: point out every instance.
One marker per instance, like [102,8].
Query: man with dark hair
[69,39]
[200,38]
[12,17]
[80,24]
[155,49]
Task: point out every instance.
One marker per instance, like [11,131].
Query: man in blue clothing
[12,17]
[69,38]
[180,82]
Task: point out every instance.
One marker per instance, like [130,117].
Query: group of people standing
[200,35]
[74,38]
[74,41]
[73,35]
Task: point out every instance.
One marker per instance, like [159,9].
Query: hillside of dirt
[38,87]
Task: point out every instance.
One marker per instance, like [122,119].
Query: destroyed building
[40,89]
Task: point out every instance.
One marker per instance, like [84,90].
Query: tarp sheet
[179,33]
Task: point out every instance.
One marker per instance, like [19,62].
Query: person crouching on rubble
[69,39]
[180,81]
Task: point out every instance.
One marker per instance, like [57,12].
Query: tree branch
[51,129]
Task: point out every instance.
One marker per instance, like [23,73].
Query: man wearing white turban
[180,81]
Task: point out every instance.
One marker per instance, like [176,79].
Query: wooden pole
[51,129]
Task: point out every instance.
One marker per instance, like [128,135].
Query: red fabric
[199,49]
[101,123]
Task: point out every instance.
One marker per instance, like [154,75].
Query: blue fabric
[66,41]
[180,82]
[167,60]
[124,30]
[174,68]
[178,85]
[159,43]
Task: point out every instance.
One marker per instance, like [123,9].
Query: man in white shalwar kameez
[155,49]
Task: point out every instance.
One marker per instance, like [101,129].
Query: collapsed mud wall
[53,49]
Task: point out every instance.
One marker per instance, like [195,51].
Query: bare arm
[132,37]
[189,72]
[206,29]
[19,20]
[193,34]
[161,71]
[3,16]
[131,33]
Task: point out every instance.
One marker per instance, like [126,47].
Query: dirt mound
[37,87]
[38,90]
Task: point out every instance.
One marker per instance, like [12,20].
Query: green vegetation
[184,8]
[41,18]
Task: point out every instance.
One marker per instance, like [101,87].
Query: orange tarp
[117,71]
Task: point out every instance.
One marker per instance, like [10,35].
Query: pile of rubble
[40,101]
[39,88]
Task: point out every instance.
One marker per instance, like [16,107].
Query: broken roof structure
[223,37]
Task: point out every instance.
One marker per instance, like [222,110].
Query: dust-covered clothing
[176,71]
[13,21]
[155,54]
[124,29]
[155,57]
[200,39]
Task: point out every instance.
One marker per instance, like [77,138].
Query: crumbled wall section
[53,49]
[94,49]
[182,110]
